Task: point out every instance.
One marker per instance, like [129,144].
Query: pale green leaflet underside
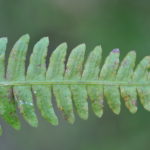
[72,84]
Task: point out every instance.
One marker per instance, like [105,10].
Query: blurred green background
[123,24]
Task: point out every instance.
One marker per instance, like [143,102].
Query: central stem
[77,82]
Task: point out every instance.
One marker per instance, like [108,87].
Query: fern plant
[71,84]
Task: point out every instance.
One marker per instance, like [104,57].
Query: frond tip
[72,83]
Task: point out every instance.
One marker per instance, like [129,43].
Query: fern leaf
[16,72]
[7,103]
[125,73]
[71,84]
[91,72]
[37,71]
[73,72]
[62,93]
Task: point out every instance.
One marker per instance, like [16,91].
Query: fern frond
[71,84]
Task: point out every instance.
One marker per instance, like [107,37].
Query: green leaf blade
[73,72]
[125,73]
[91,72]
[7,104]
[108,72]
[141,74]
[61,92]
[37,71]
[16,71]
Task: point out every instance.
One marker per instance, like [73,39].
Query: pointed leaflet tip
[25,37]
[82,46]
[116,50]
[42,42]
[63,45]
[132,53]
[4,39]
[3,44]
[23,41]
[116,111]
[98,46]
[46,39]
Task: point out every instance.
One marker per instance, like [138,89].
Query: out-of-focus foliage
[115,23]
